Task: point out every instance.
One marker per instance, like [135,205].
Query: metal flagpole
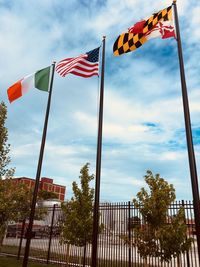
[191,155]
[39,167]
[98,164]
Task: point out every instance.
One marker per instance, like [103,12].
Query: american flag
[85,65]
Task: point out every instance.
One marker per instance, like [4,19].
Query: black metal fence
[118,220]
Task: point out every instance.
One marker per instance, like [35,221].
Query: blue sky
[143,115]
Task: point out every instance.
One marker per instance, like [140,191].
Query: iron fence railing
[118,220]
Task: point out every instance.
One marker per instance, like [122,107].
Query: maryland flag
[160,24]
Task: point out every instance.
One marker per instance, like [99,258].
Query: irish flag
[39,80]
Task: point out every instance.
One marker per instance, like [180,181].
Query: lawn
[13,262]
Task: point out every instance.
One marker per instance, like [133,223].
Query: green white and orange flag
[39,80]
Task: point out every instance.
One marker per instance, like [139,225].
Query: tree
[78,212]
[46,195]
[13,203]
[5,172]
[15,199]
[173,238]
[135,222]
[158,237]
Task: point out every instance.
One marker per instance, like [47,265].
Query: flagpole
[30,233]
[98,164]
[191,155]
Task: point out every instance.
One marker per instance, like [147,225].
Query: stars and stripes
[86,65]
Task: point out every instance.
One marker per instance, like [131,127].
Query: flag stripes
[85,65]
[39,80]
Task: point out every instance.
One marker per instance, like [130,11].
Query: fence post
[51,233]
[84,254]
[21,238]
[187,254]
[129,233]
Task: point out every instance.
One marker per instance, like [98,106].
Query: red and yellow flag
[159,24]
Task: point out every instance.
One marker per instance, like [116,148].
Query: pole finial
[174,1]
[104,37]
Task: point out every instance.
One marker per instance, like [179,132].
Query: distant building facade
[45,184]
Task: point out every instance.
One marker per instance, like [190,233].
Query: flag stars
[93,55]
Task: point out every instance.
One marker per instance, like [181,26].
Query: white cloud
[195,20]
[168,156]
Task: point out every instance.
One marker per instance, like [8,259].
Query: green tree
[159,235]
[78,212]
[5,172]
[46,195]
[135,221]
[15,198]
[173,238]
[13,203]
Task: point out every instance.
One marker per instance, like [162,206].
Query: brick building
[45,184]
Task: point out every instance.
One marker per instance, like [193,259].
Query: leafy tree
[5,172]
[15,198]
[173,239]
[135,221]
[78,212]
[158,235]
[45,195]
[13,203]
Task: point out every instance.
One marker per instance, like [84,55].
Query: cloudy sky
[143,115]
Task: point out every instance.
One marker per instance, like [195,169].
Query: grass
[38,253]
[14,250]
[13,262]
